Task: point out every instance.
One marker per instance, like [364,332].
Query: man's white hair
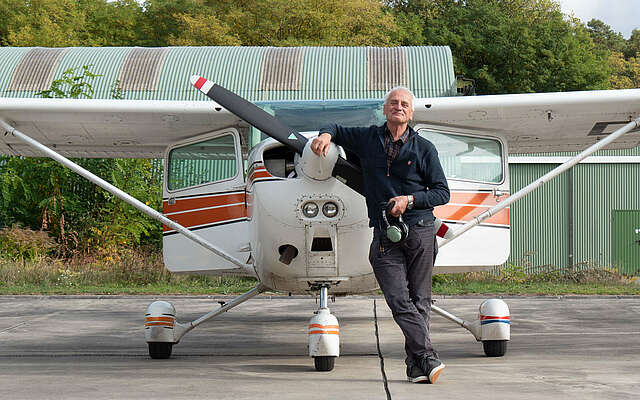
[406,89]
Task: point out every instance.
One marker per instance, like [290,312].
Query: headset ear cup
[404,228]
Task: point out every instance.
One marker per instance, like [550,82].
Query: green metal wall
[541,231]
[626,240]
[539,221]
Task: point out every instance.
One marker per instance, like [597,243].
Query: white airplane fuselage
[259,216]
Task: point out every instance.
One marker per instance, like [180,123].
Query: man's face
[399,107]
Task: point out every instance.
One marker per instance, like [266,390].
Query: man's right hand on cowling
[320,145]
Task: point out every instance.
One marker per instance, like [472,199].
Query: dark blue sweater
[416,171]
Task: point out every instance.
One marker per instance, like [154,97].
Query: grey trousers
[404,274]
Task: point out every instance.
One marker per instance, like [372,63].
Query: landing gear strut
[324,334]
[492,328]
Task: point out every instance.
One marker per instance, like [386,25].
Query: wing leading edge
[108,128]
[540,122]
[531,123]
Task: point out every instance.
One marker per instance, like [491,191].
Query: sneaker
[432,367]
[415,374]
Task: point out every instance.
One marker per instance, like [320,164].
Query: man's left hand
[401,205]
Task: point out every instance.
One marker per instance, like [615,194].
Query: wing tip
[194,79]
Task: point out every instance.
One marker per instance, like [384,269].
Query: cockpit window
[203,162]
[467,157]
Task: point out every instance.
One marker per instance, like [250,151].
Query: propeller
[346,172]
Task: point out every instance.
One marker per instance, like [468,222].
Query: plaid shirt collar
[392,148]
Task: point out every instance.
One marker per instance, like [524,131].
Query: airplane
[244,194]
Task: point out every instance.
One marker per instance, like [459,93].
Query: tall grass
[135,272]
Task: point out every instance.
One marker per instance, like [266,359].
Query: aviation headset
[397,231]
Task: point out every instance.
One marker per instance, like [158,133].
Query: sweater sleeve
[347,137]
[437,191]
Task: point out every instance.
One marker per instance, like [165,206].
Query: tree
[632,47]
[625,73]
[42,194]
[59,23]
[604,37]
[512,46]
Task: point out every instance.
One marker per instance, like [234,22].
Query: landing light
[330,209]
[310,209]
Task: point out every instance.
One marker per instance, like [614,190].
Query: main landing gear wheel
[160,350]
[324,363]
[494,348]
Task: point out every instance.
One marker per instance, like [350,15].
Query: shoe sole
[418,379]
[435,373]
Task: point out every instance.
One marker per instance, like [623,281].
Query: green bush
[24,244]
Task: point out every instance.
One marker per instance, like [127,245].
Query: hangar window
[208,161]
[466,157]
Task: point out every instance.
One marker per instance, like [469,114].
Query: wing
[539,122]
[108,128]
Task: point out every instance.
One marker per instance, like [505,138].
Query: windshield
[305,116]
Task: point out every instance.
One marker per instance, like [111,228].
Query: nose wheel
[160,350]
[324,363]
[324,335]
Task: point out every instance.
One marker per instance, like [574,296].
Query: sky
[622,15]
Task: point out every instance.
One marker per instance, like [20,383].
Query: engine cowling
[314,167]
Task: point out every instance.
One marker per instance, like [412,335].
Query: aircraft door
[477,173]
[204,190]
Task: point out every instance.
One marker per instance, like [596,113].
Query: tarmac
[79,347]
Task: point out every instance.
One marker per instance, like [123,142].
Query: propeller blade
[349,174]
[251,113]
[346,172]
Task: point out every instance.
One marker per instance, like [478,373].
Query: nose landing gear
[324,334]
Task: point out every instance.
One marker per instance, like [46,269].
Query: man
[402,168]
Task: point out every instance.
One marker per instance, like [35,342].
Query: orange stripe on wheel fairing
[324,332]
[168,319]
[324,326]
[159,324]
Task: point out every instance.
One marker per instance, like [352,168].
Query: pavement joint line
[13,327]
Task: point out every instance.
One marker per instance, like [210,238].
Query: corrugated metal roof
[35,70]
[141,69]
[282,68]
[256,73]
[387,68]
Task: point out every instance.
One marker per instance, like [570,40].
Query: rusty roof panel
[282,68]
[141,68]
[36,69]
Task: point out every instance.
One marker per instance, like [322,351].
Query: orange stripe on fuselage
[202,217]
[466,213]
[471,198]
[324,332]
[202,202]
[464,206]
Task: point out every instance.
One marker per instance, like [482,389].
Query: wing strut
[542,180]
[120,194]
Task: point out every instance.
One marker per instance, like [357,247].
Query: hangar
[581,219]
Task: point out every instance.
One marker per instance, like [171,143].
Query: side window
[467,157]
[199,163]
